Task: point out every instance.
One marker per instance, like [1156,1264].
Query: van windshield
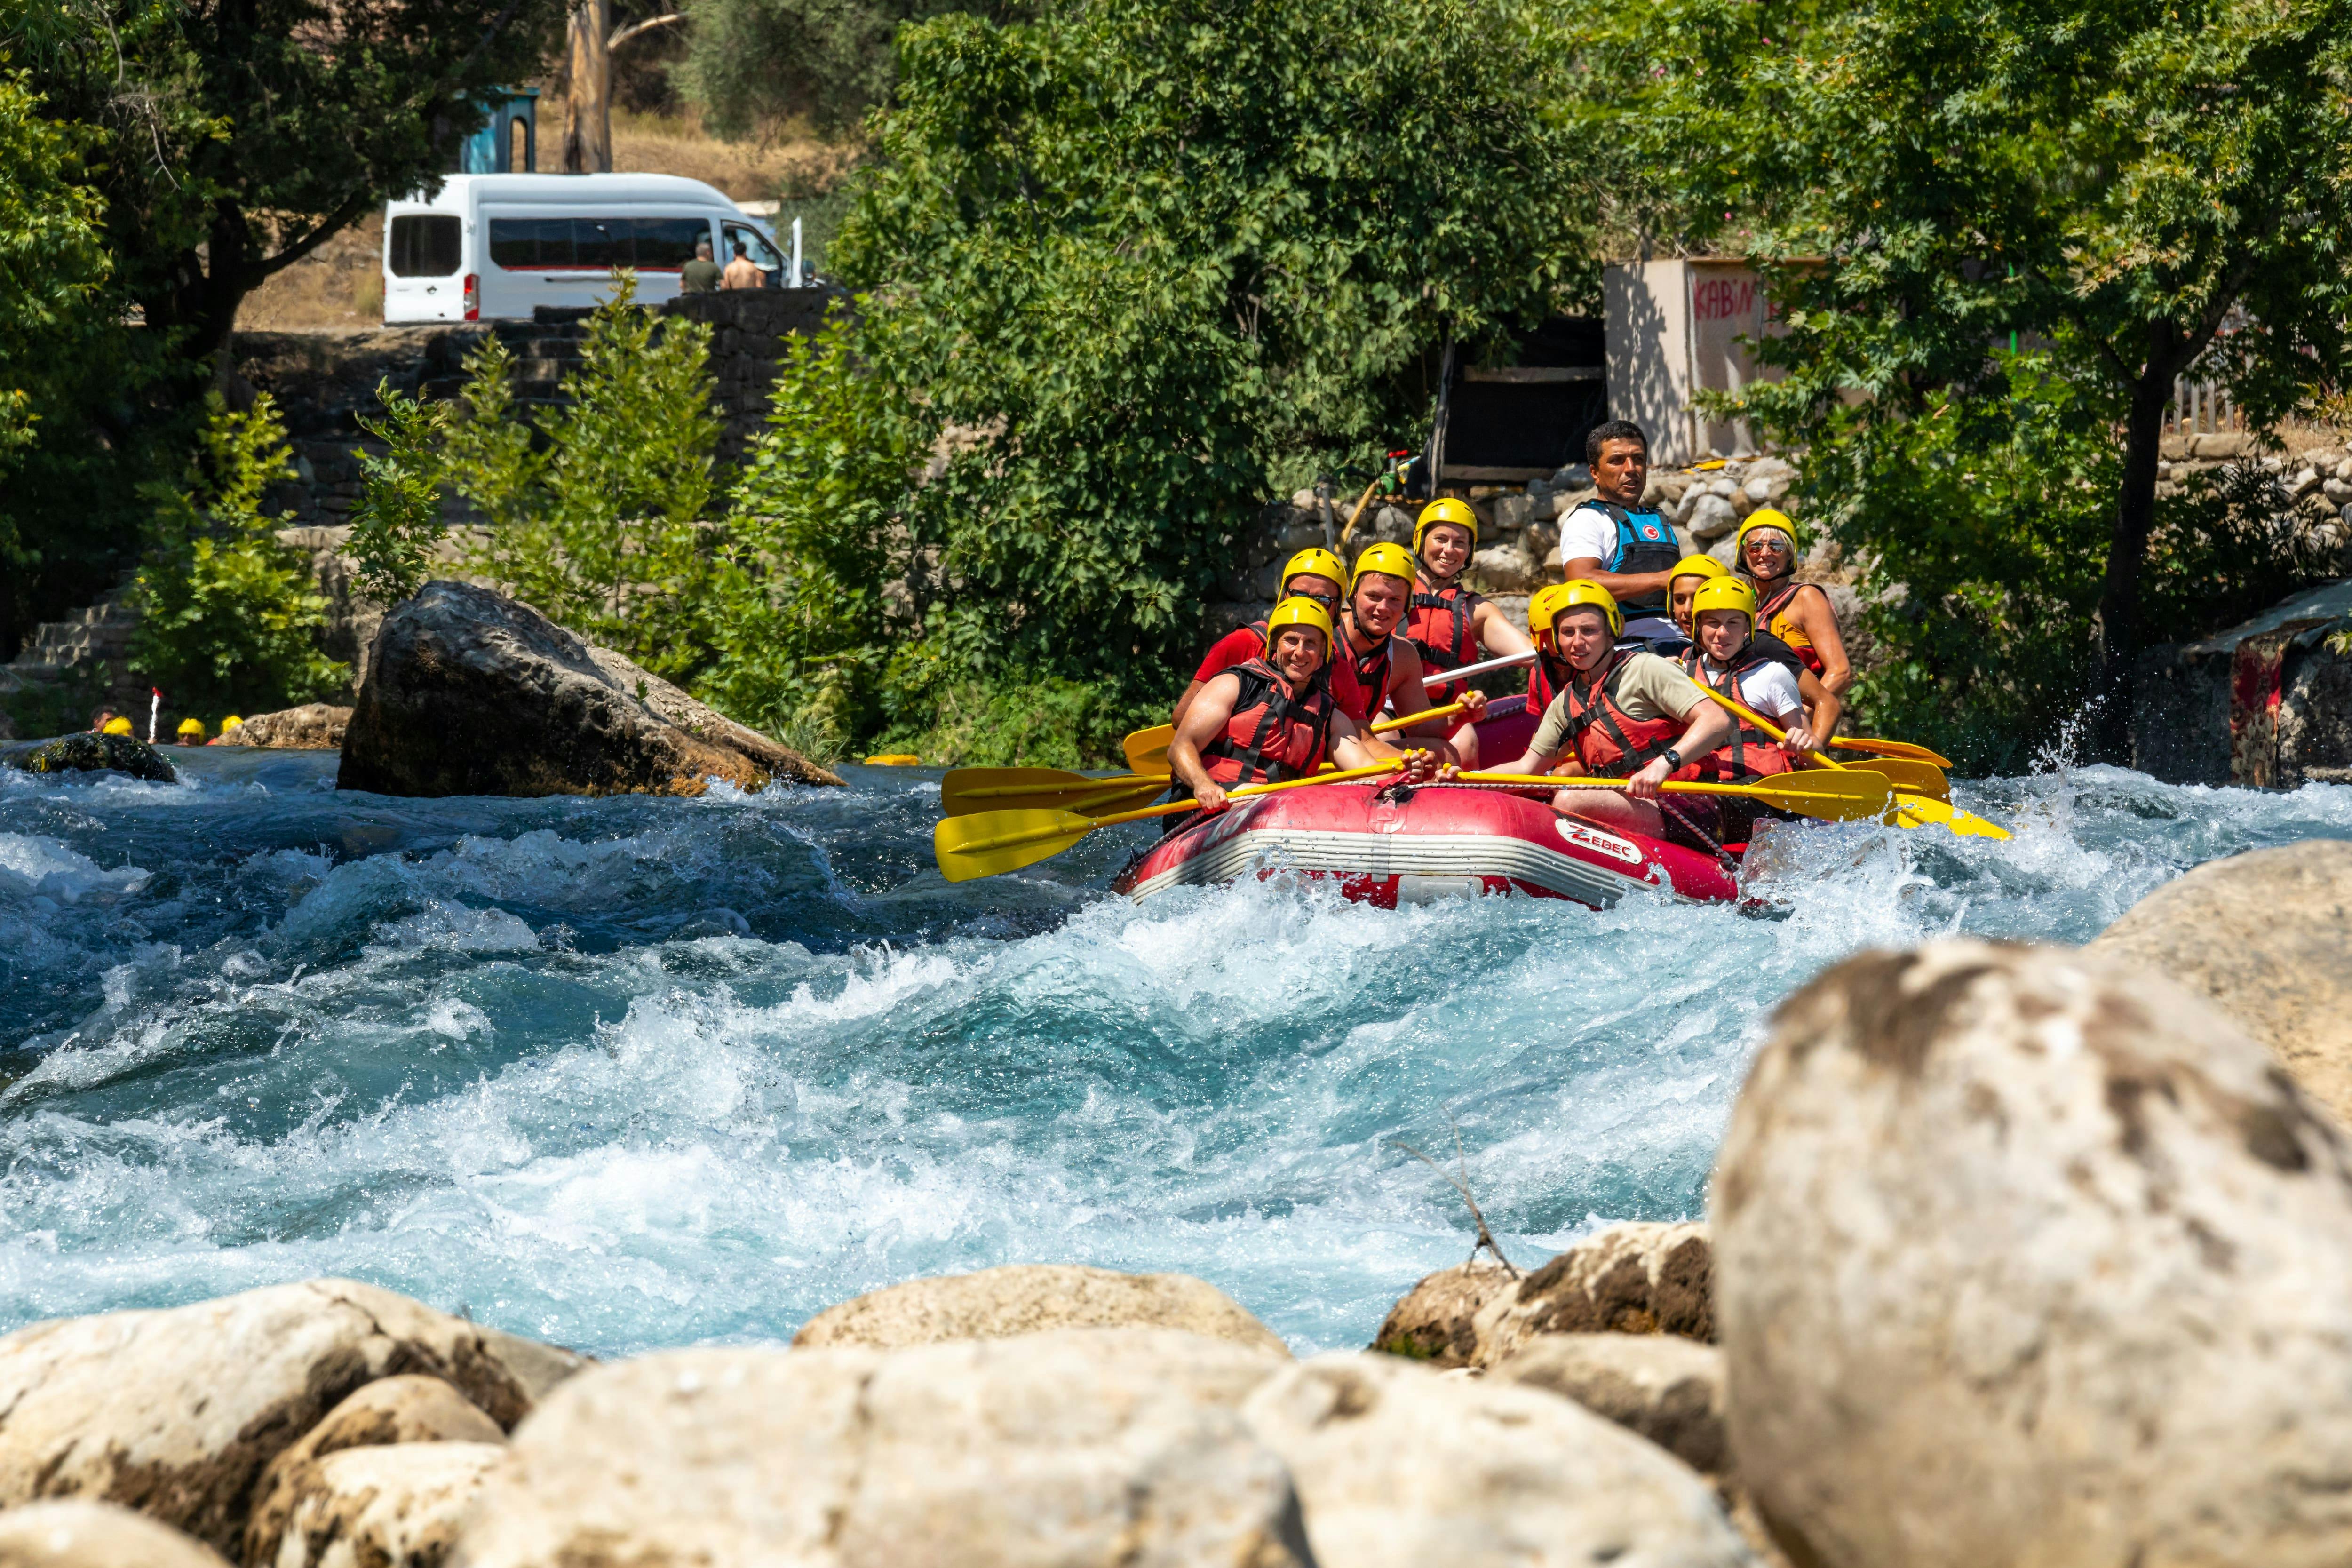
[596,244]
[425,246]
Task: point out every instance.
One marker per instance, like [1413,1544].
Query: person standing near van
[743,272]
[701,274]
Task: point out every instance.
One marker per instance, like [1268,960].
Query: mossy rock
[90,752]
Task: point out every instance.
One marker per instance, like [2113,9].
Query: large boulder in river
[1662,1386]
[468,693]
[88,752]
[1077,1447]
[1025,1297]
[394,1507]
[1397,1463]
[176,1413]
[95,1535]
[409,1409]
[2268,935]
[2028,1257]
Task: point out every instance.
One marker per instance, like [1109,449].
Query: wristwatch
[1673,759]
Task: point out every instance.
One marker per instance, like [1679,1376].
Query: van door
[755,245]
[423,263]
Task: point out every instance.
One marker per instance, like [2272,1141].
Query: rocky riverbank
[2014,1255]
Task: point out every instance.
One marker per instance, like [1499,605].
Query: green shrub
[227,615]
[396,525]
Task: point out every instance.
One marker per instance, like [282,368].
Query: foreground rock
[1396,1464]
[1025,1297]
[177,1413]
[468,693]
[94,1535]
[2267,935]
[313,727]
[411,1409]
[2027,1257]
[1077,1447]
[397,1507]
[1663,1387]
[90,752]
[1638,1278]
[1437,1319]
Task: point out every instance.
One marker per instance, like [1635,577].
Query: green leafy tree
[228,618]
[2112,183]
[604,529]
[396,525]
[239,135]
[754,64]
[1123,262]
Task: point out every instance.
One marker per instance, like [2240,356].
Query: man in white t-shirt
[1609,540]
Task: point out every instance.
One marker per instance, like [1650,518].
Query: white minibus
[485,247]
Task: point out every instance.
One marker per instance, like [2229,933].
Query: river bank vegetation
[1123,274]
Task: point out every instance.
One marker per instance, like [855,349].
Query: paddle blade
[1146,750]
[1905,776]
[1890,749]
[968,790]
[1846,795]
[1918,810]
[994,842]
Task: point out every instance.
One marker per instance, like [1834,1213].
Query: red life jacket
[1544,679]
[1752,753]
[1361,680]
[1770,619]
[1610,742]
[1272,735]
[1442,624]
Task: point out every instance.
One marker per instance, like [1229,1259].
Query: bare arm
[1622,585]
[1822,711]
[1185,701]
[1211,710]
[1813,611]
[1497,635]
[1408,693]
[1710,730]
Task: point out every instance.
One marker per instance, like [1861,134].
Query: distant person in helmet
[1274,717]
[1375,667]
[1799,613]
[1447,623]
[1625,713]
[1691,574]
[1313,575]
[1757,670]
[1612,541]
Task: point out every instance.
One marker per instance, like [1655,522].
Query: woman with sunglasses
[1313,575]
[1799,613]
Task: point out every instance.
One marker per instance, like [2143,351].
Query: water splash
[628,1073]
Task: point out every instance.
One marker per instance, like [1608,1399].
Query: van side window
[666,244]
[530,242]
[425,245]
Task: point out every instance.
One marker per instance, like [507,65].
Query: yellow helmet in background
[1726,593]
[1699,566]
[1445,508]
[1585,591]
[231,722]
[117,726]
[1768,517]
[1388,560]
[191,727]
[1299,611]
[1315,563]
[1544,604]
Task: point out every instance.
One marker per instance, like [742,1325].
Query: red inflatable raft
[1386,845]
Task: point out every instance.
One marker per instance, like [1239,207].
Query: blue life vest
[1645,542]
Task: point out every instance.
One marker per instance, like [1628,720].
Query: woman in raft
[1448,624]
[1799,613]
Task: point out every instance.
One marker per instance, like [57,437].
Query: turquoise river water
[635,1073]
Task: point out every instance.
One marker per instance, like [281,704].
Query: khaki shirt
[1649,688]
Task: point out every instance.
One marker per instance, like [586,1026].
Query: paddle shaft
[1765,791]
[1006,841]
[1766,725]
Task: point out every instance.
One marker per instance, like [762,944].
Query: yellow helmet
[231,722]
[191,726]
[1299,611]
[1388,560]
[1585,591]
[1445,508]
[1768,517]
[1699,566]
[1316,563]
[1726,593]
[117,726]
[1544,604]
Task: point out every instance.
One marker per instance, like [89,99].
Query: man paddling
[1372,666]
[1612,541]
[1275,718]
[1625,713]
[1313,575]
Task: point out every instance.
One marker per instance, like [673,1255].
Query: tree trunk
[588,124]
[2119,639]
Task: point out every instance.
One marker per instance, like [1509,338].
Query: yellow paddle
[1146,750]
[1855,796]
[1889,749]
[994,842]
[1911,810]
[968,790]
